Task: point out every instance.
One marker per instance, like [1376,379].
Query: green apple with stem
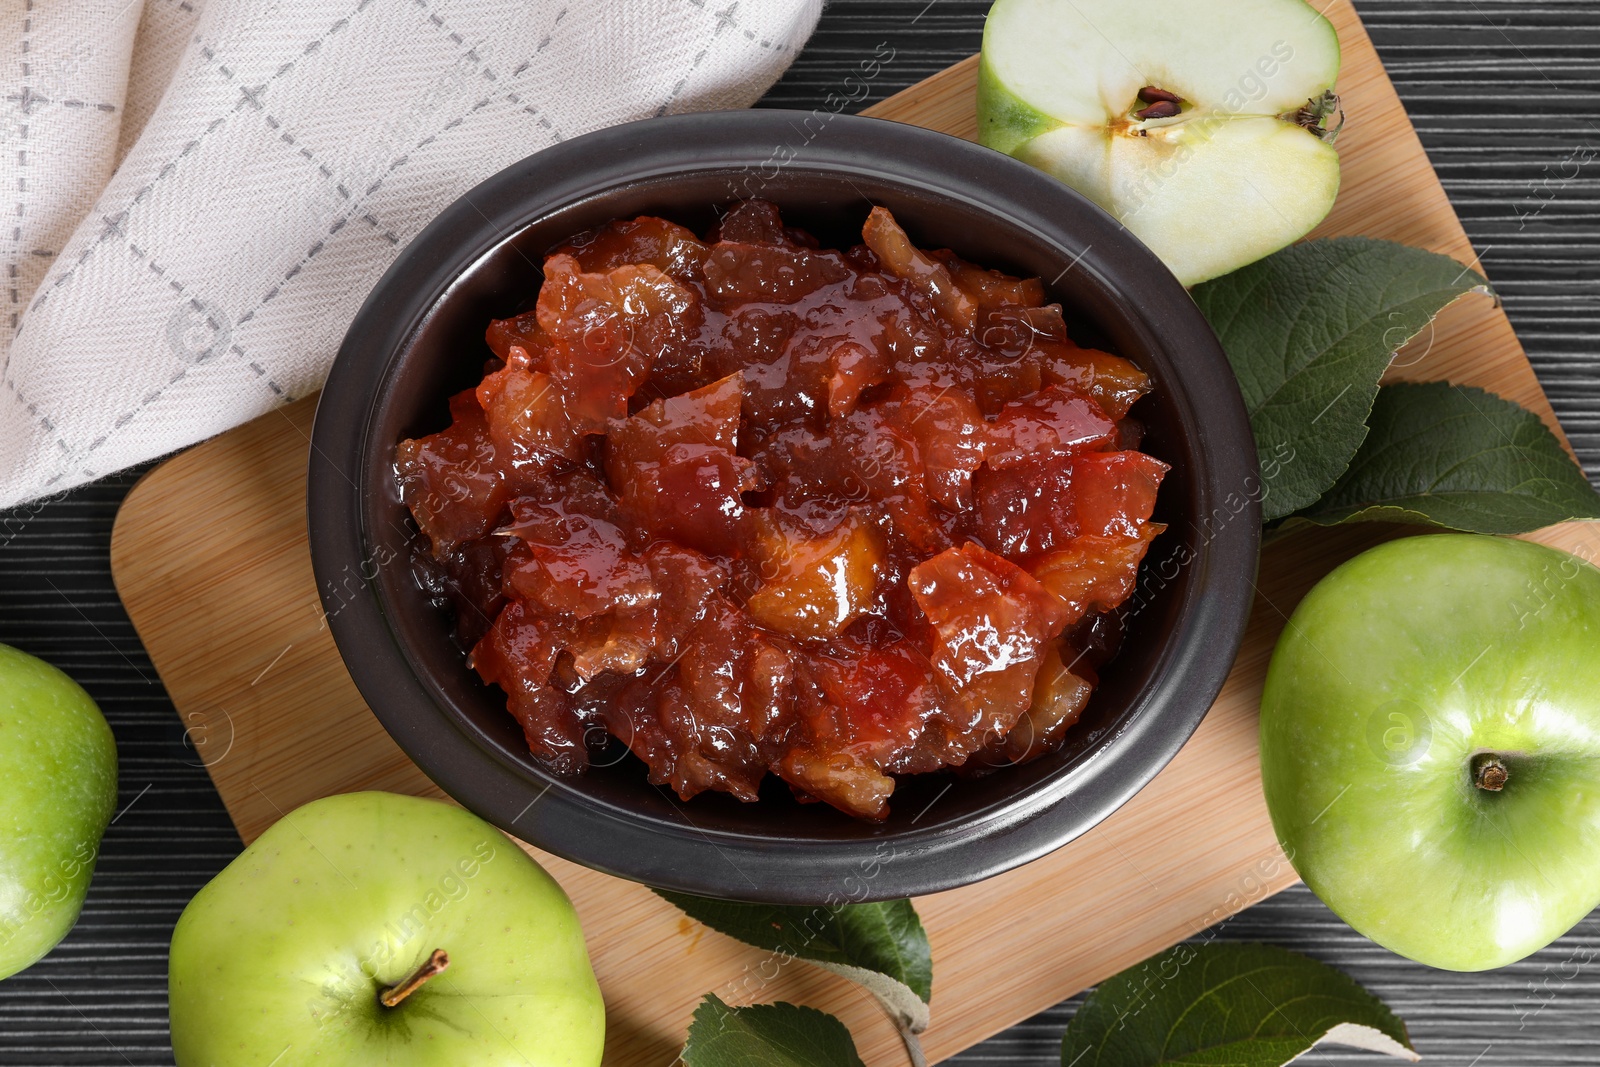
[58,761]
[378,928]
[1204,127]
[1430,746]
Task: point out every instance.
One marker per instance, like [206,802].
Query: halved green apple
[1202,125]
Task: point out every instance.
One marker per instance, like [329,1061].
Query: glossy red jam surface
[752,506]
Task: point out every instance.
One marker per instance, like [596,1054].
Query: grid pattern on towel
[291,151]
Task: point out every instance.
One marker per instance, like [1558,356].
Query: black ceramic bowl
[419,338]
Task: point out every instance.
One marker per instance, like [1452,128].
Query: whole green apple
[377,928]
[1430,746]
[58,761]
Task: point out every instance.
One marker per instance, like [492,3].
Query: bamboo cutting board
[210,556]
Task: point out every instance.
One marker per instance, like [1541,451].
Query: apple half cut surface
[1202,126]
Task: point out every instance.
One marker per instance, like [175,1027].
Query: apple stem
[1489,772]
[433,965]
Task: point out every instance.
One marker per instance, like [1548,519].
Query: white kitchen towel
[203,191]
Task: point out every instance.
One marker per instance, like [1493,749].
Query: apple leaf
[881,946]
[1457,457]
[1309,331]
[1227,1004]
[767,1035]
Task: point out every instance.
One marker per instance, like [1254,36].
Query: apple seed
[1161,109]
[1150,95]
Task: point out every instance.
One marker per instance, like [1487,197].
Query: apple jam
[752,506]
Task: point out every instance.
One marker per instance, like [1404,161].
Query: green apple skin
[1395,673]
[58,761]
[1227,181]
[280,958]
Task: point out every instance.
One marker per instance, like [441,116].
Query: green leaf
[1309,331]
[882,946]
[1453,456]
[1227,1005]
[767,1035]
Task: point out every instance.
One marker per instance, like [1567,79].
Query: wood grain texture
[210,557]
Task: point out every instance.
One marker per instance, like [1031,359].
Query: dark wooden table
[1504,95]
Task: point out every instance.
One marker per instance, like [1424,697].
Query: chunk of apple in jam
[738,273]
[1059,697]
[675,467]
[688,582]
[867,458]
[992,622]
[612,609]
[584,570]
[706,724]
[518,654]
[1051,422]
[705,416]
[1026,508]
[814,585]
[682,583]
[1095,572]
[863,713]
[1110,381]
[520,331]
[876,698]
[1042,502]
[604,330]
[758,222]
[668,247]
[1116,491]
[818,373]
[527,417]
[918,269]
[951,436]
[692,496]
[990,289]
[853,369]
[838,776]
[1014,332]
[734,673]
[619,641]
[451,480]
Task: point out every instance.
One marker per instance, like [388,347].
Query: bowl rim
[1200,647]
